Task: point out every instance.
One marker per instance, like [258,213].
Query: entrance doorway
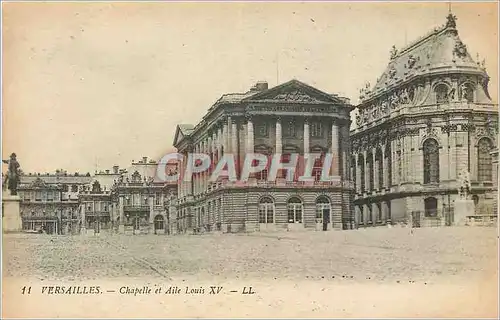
[323,210]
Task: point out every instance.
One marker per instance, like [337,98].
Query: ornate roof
[439,50]
[39,184]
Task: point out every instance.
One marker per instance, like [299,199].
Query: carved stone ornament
[392,72]
[460,49]
[394,52]
[411,61]
[296,96]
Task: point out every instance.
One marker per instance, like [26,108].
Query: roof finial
[451,18]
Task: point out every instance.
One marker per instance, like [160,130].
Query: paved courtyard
[427,255]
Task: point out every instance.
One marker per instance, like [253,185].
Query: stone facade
[108,201]
[428,121]
[290,118]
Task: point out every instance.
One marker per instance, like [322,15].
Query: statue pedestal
[11,214]
[463,208]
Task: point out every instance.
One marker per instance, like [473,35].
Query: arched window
[380,168]
[159,222]
[430,207]
[323,209]
[484,160]
[266,210]
[361,162]
[295,209]
[431,161]
[441,91]
[369,167]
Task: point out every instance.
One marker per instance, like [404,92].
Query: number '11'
[26,290]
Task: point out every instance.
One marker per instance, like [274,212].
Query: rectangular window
[262,130]
[290,130]
[316,130]
[38,196]
[158,199]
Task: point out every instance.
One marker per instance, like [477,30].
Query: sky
[91,85]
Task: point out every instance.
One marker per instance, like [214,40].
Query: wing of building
[291,118]
[427,125]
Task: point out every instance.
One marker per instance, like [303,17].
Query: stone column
[219,143]
[375,213]
[367,172]
[335,149]
[385,162]
[358,173]
[229,135]
[121,226]
[250,136]
[234,145]
[225,137]
[306,136]
[346,152]
[358,215]
[151,213]
[279,146]
[385,211]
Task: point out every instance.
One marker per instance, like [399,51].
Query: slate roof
[440,48]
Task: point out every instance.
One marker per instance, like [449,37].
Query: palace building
[109,201]
[427,123]
[51,201]
[290,118]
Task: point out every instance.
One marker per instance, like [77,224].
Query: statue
[394,52]
[464,187]
[12,176]
[451,21]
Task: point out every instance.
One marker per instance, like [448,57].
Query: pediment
[179,136]
[294,91]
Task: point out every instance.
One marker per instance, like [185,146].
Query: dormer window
[441,93]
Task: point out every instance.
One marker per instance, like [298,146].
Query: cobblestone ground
[393,255]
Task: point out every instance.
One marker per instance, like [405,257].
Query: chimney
[107,171]
[144,159]
[115,169]
[261,85]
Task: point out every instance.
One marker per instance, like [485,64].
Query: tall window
[379,212]
[430,207]
[157,198]
[431,161]
[290,129]
[361,161]
[484,160]
[262,130]
[380,166]
[369,164]
[388,159]
[266,210]
[441,93]
[159,222]
[322,209]
[294,210]
[316,129]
